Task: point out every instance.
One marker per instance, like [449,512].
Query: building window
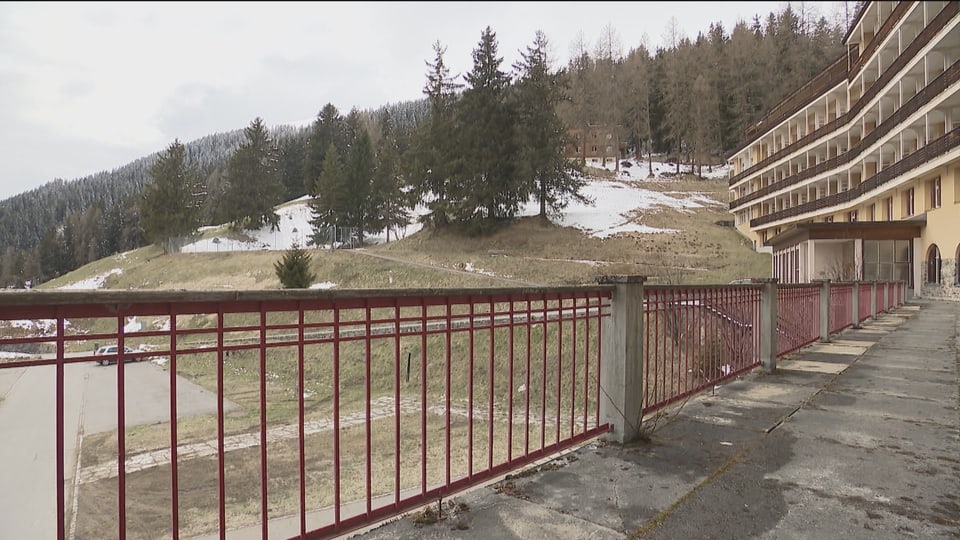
[887,260]
[934,265]
[873,212]
[828,219]
[934,188]
[889,215]
[908,202]
[852,216]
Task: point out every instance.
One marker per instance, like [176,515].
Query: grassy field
[705,250]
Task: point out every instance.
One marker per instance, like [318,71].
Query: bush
[294,269]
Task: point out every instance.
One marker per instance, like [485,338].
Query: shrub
[294,269]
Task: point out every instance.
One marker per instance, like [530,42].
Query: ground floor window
[887,260]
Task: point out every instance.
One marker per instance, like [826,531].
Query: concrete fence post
[856,304]
[873,301]
[824,309]
[768,323]
[621,358]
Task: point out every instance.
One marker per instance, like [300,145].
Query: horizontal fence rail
[310,414]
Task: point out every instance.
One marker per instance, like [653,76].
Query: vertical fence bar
[59,420]
[396,401]
[511,328]
[301,417]
[121,435]
[336,414]
[221,454]
[600,357]
[526,384]
[174,480]
[423,396]
[586,360]
[490,391]
[264,507]
[855,307]
[367,360]
[446,391]
[543,377]
[559,363]
[573,371]
[471,345]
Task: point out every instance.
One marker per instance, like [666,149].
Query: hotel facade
[856,175]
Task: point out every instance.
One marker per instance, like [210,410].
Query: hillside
[673,229]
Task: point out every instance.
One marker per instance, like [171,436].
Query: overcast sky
[88,87]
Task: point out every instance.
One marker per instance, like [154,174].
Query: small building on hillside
[600,142]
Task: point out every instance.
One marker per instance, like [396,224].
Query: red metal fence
[866,293]
[841,307]
[328,411]
[421,395]
[697,337]
[798,317]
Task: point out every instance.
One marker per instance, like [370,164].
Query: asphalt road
[28,485]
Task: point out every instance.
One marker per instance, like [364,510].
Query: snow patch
[95,282]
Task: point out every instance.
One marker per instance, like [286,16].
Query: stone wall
[948,289]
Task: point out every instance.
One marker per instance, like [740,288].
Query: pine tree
[431,161]
[293,269]
[386,193]
[637,103]
[488,186]
[553,179]
[328,195]
[170,211]
[327,129]
[254,181]
[357,210]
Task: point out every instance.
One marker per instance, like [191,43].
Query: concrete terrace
[856,438]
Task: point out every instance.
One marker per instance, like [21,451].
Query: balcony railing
[328,411]
[922,40]
[931,151]
[914,104]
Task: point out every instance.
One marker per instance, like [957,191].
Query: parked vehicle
[111,351]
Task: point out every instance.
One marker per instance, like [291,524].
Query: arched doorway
[934,265]
[956,265]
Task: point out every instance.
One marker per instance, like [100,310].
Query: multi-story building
[856,175]
[596,142]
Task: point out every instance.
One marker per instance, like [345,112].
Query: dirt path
[397,260]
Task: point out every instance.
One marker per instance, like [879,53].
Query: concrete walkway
[856,438]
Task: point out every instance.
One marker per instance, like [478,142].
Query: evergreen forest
[472,150]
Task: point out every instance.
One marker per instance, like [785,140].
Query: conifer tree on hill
[431,160]
[487,185]
[254,181]
[170,210]
[553,179]
[328,196]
